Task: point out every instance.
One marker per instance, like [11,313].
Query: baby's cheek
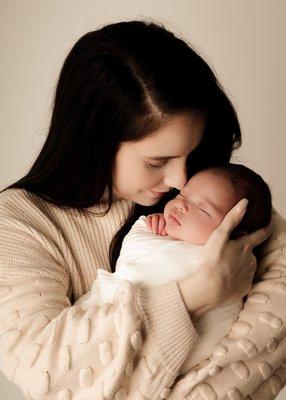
[167,209]
[209,228]
[198,231]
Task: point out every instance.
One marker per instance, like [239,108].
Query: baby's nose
[182,207]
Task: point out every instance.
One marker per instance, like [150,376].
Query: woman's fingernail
[242,206]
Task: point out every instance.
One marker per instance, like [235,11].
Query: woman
[136,113]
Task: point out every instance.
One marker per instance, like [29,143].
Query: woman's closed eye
[156,166]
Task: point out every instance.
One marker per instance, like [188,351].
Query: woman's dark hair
[248,184]
[121,83]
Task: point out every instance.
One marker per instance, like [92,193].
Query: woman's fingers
[255,238]
[221,234]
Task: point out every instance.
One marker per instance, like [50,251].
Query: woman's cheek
[149,178]
[141,178]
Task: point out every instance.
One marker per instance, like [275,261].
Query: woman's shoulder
[19,202]
[277,240]
[24,210]
[24,213]
[278,220]
[14,199]
[279,228]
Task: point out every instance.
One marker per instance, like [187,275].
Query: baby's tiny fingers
[161,226]
[148,222]
[164,233]
[155,223]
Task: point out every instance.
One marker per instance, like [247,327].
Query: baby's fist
[156,223]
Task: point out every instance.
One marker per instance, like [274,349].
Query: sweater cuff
[167,323]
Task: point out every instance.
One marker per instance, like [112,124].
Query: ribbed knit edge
[168,323]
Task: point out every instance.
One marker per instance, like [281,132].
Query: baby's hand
[156,223]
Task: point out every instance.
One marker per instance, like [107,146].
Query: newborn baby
[148,259]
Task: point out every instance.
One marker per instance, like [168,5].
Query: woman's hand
[156,223]
[227,268]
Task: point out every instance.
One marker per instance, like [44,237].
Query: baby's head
[209,195]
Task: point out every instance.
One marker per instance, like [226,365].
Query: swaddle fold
[149,260]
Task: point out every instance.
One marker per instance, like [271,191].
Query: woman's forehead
[176,139]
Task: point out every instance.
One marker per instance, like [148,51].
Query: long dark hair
[121,83]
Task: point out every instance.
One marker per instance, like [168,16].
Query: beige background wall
[244,41]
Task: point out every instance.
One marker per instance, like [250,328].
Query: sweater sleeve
[54,350]
[250,360]
[269,388]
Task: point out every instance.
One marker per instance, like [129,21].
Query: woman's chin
[146,200]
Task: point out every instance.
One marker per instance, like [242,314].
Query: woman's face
[157,162]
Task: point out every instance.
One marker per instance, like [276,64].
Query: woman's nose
[177,178]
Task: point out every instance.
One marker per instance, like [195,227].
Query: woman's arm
[250,360]
[269,389]
[54,350]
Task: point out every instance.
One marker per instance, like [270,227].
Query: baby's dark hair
[250,185]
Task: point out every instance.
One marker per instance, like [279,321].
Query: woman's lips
[157,194]
[174,218]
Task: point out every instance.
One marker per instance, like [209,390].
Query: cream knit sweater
[134,348]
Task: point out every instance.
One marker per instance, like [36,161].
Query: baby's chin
[176,235]
[172,236]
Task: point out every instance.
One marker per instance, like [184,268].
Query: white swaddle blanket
[149,260]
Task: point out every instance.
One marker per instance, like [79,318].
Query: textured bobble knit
[134,348]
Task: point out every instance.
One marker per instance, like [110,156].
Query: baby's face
[200,207]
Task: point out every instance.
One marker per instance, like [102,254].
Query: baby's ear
[237,234]
[242,233]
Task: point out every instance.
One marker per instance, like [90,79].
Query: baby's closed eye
[200,208]
[204,211]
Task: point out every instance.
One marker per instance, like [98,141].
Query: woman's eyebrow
[162,157]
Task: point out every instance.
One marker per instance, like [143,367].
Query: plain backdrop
[243,41]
